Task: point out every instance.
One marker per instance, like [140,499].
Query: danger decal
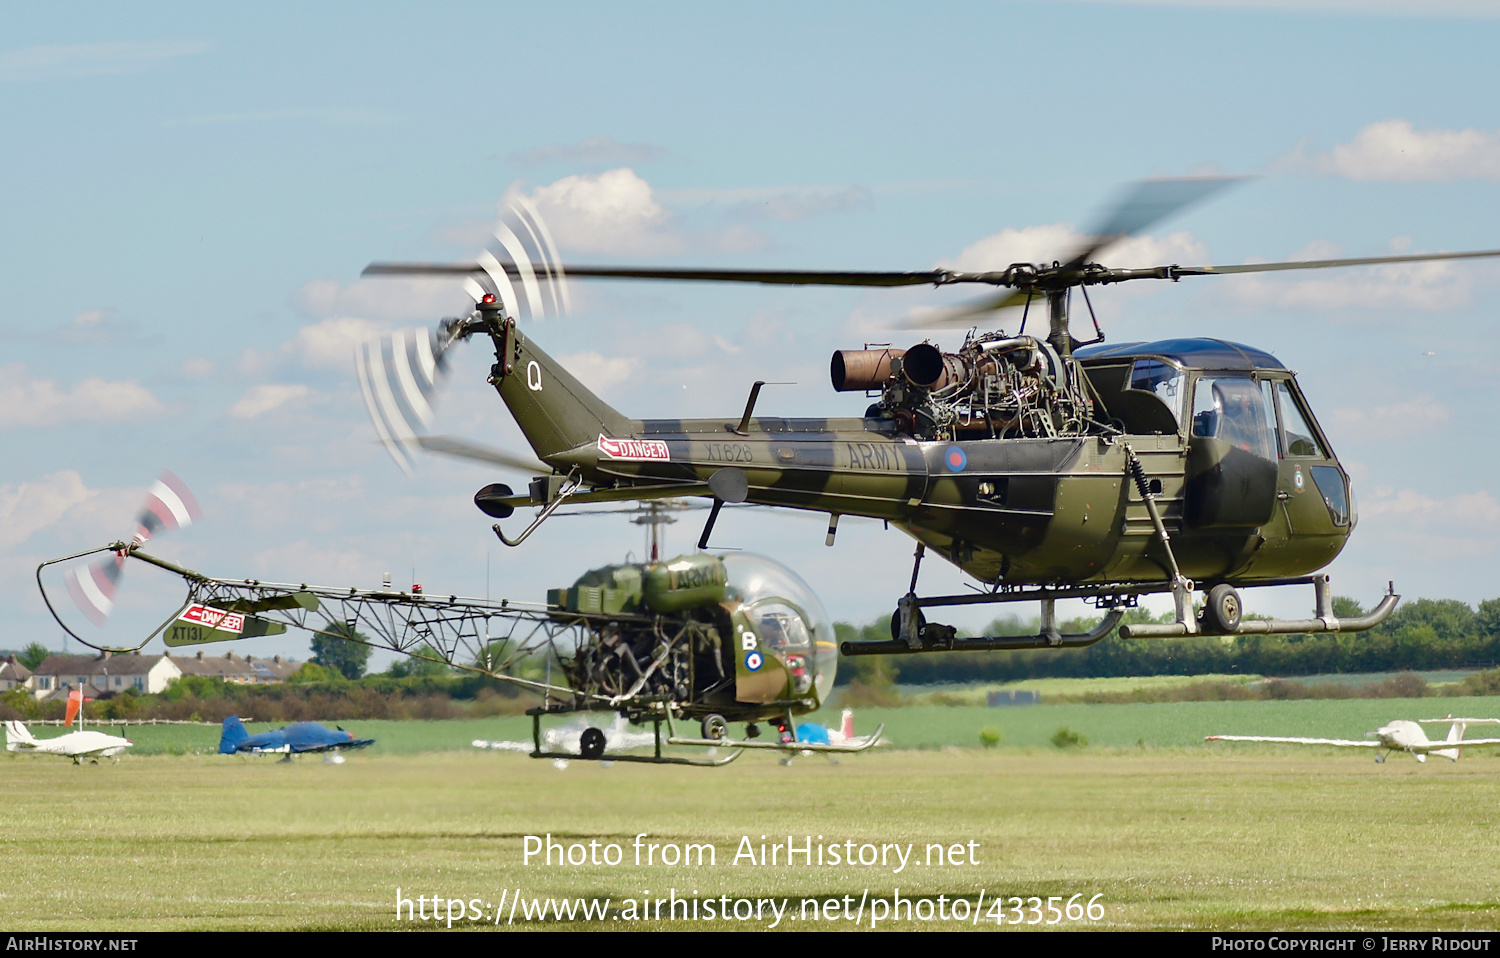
[214,618]
[638,449]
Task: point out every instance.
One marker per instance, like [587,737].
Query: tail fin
[234,734]
[17,737]
[555,411]
[848,726]
[1455,734]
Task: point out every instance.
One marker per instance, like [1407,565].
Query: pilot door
[1232,470]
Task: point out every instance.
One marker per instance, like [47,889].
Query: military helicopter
[699,638]
[1044,466]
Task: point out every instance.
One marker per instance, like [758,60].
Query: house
[13,675]
[103,673]
[150,674]
[231,668]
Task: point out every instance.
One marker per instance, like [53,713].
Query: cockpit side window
[1233,409]
[1298,440]
[1163,380]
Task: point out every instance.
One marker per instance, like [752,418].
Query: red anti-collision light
[488,298]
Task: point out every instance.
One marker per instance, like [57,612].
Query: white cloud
[1463,509]
[599,372]
[330,344]
[1417,415]
[1429,287]
[1044,244]
[29,401]
[612,212]
[266,397]
[1419,528]
[1395,150]
[69,61]
[387,298]
[28,507]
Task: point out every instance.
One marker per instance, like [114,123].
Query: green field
[1154,725]
[1175,834]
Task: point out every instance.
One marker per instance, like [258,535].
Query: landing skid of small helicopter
[593,747]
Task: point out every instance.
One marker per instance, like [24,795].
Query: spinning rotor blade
[1143,204]
[962,316]
[463,449]
[169,505]
[400,374]
[773,277]
[1327,263]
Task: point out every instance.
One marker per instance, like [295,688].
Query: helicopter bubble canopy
[768,590]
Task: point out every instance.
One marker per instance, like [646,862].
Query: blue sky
[190,192]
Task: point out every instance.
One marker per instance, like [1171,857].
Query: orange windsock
[75,705]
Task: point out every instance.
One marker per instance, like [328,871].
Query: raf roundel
[754,661]
[956,459]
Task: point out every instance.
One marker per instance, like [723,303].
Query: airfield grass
[1176,834]
[1155,725]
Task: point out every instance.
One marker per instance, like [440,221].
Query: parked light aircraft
[78,745]
[292,740]
[1398,736]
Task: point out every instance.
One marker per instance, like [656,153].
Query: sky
[190,193]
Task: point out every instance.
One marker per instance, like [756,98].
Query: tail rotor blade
[92,588]
[169,505]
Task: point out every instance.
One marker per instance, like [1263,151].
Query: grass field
[1153,725]
[1176,834]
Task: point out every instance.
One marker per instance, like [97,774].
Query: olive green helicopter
[697,639]
[1044,466]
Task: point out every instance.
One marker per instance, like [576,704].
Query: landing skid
[912,633]
[595,749]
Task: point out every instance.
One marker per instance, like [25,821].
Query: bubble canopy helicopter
[697,638]
[1044,466]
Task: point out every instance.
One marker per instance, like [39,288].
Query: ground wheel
[715,728]
[591,743]
[1223,611]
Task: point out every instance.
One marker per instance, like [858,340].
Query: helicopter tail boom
[556,412]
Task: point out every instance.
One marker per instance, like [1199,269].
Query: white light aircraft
[75,745]
[568,738]
[1398,736]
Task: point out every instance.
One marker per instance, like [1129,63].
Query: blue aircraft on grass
[292,740]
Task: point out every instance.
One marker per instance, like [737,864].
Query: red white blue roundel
[754,660]
[955,459]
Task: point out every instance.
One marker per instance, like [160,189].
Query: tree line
[1422,635]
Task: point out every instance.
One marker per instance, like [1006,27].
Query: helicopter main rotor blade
[1143,204]
[776,277]
[1327,263]
[463,449]
[961,316]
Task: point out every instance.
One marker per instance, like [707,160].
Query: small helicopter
[1044,466]
[701,638]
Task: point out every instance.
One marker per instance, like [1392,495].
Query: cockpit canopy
[786,613]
